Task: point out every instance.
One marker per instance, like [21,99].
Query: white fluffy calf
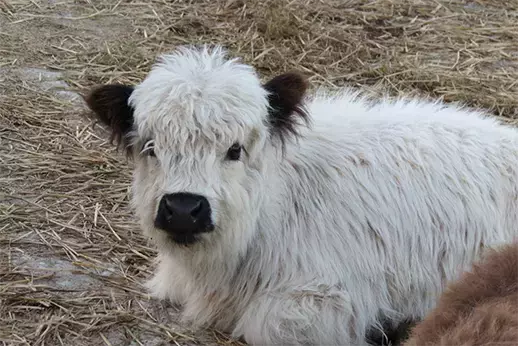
[290,234]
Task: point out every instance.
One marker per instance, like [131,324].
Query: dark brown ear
[110,105]
[286,93]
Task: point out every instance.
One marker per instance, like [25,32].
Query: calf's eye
[149,149]
[234,152]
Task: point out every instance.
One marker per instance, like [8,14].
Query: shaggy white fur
[363,218]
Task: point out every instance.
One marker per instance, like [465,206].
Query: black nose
[183,214]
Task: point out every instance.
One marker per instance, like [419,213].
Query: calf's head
[199,129]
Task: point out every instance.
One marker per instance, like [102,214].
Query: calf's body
[361,217]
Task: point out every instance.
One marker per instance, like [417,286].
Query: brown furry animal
[479,309]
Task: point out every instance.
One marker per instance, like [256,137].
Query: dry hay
[72,260]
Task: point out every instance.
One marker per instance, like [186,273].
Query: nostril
[195,212]
[169,206]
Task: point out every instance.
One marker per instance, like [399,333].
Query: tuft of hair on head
[285,95]
[110,104]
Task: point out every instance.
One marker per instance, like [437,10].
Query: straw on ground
[72,260]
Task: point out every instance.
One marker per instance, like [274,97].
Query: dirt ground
[72,260]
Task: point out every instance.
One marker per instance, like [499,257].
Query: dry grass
[72,260]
